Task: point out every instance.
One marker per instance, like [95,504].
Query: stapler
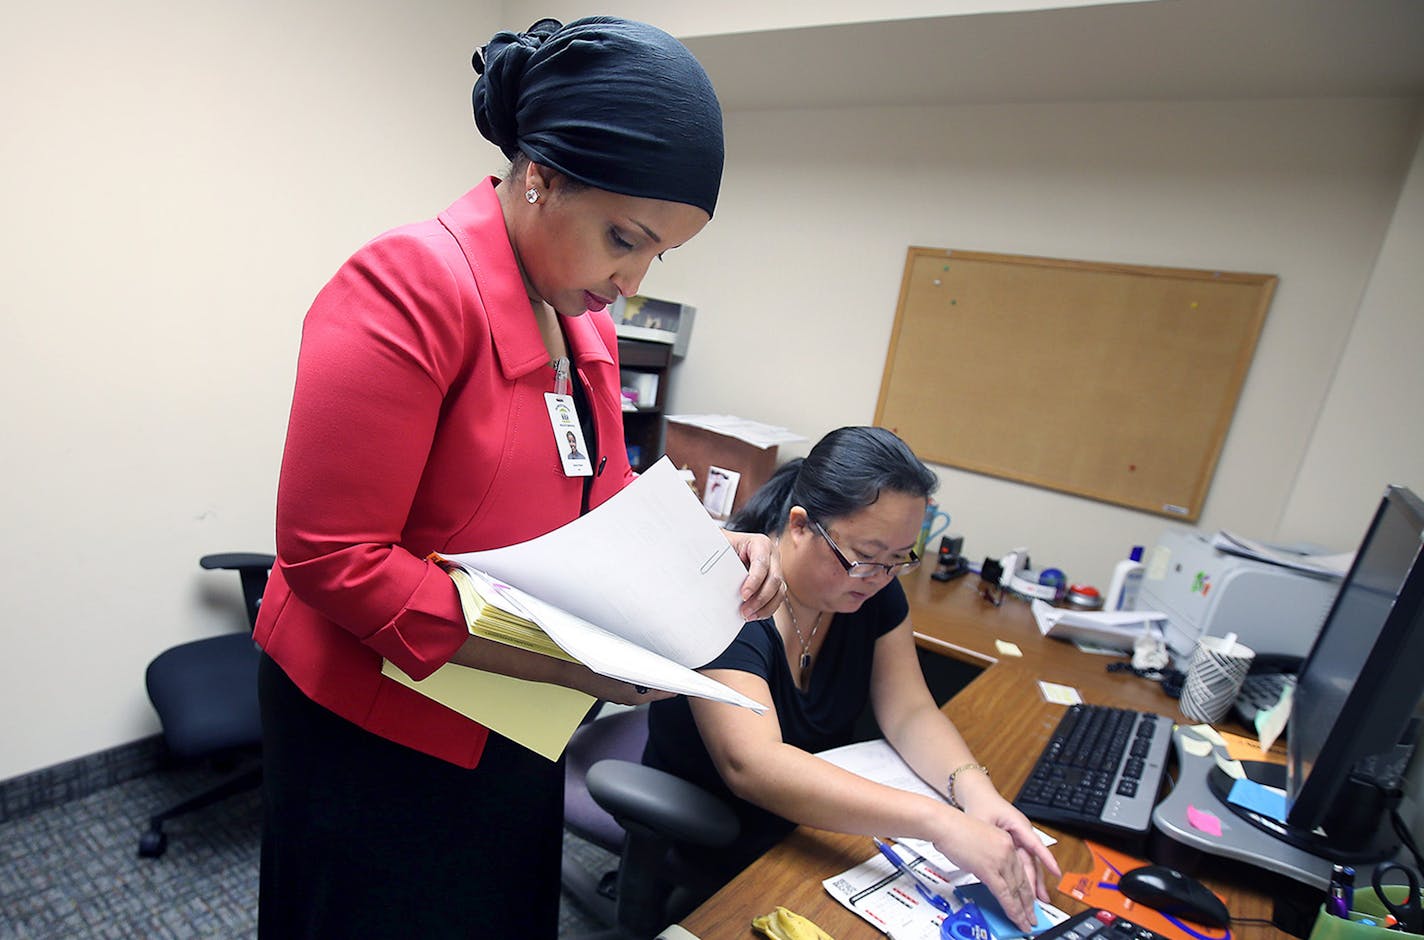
[950,563]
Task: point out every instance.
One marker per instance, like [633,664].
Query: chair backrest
[638,813]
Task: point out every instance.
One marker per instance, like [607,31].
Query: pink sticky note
[1203,820]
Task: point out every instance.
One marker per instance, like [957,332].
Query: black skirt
[365,838]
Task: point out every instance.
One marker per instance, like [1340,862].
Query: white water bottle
[1126,582]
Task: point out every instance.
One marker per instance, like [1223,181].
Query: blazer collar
[477,222]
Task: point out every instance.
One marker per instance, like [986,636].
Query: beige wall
[177,189]
[798,276]
[179,181]
[1370,431]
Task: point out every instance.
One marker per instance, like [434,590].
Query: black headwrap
[613,103]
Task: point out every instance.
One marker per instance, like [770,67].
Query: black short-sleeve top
[822,717]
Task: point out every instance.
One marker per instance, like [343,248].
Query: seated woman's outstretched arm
[933,747]
[846,520]
[989,837]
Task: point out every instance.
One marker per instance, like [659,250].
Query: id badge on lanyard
[565,426]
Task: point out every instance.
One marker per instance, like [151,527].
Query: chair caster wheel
[152,844]
[608,885]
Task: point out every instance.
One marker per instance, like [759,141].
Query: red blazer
[419,424]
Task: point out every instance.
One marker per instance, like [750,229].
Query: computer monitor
[1358,694]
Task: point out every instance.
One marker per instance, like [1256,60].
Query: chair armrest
[252,568]
[656,800]
[230,561]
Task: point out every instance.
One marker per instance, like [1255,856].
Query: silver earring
[532,195]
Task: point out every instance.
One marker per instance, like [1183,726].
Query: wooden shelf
[644,429]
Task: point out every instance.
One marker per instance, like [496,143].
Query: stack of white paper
[1117,629]
[743,429]
[1331,566]
[643,589]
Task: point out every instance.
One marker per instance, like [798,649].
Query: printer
[1203,591]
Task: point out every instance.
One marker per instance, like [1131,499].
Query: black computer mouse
[1170,892]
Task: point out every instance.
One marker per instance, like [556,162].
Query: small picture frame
[720,491]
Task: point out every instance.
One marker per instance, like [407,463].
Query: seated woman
[845,519]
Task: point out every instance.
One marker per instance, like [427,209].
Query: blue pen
[901,867]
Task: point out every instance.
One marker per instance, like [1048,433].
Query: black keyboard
[1259,692]
[1099,925]
[1100,771]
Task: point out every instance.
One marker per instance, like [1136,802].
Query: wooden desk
[952,619]
[1005,721]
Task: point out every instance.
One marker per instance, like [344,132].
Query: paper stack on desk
[743,429]
[1116,629]
[1329,565]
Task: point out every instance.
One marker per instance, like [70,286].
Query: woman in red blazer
[419,425]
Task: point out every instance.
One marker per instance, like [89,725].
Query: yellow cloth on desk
[782,924]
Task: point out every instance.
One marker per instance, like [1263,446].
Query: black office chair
[613,801]
[205,693]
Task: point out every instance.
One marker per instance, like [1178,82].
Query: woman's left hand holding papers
[763,590]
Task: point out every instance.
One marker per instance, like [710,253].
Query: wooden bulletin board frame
[1111,381]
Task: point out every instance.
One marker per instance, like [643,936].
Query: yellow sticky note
[1240,747]
[1059,694]
[1232,768]
[1210,733]
[1006,648]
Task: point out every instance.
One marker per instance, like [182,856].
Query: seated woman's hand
[762,590]
[1016,857]
[1002,814]
[991,855]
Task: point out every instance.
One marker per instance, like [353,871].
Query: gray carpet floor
[73,871]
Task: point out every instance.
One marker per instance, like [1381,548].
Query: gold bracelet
[957,771]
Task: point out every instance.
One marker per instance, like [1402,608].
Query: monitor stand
[1313,841]
[1260,842]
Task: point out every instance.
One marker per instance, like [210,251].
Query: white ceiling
[1169,49]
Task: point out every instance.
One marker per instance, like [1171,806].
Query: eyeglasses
[866,569]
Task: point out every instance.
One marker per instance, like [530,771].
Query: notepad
[1059,694]
[493,613]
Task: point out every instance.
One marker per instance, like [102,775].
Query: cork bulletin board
[1110,381]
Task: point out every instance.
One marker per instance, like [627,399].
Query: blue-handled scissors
[1409,913]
